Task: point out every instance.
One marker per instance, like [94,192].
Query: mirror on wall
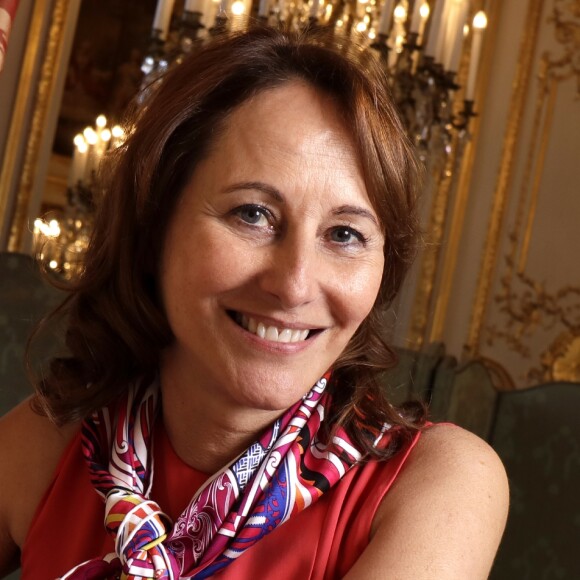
[102,76]
[69,61]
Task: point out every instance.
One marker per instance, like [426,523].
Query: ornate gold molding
[524,305]
[431,253]
[550,89]
[562,360]
[552,73]
[18,124]
[44,89]
[505,177]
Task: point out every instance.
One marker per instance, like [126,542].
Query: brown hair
[116,327]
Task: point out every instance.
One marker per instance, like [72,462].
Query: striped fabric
[282,473]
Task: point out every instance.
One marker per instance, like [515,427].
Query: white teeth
[252,326]
[296,334]
[285,335]
[271,333]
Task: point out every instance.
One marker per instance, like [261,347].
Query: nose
[291,272]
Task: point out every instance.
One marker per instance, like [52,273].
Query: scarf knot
[139,528]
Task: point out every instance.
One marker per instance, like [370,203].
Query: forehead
[295,110]
[289,134]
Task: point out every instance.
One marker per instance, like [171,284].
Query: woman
[258,220]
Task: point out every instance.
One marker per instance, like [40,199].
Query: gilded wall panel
[527,310]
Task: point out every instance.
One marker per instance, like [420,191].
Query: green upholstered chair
[414,374]
[536,432]
[464,394]
[24,298]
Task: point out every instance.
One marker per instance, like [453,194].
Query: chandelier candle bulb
[195,6]
[79,161]
[117,136]
[79,139]
[90,135]
[445,28]
[386,15]
[238,8]
[313,13]
[453,54]
[447,32]
[103,136]
[162,17]
[211,9]
[435,26]
[101,121]
[424,15]
[479,25]
[400,14]
[416,17]
[238,19]
[105,139]
[93,158]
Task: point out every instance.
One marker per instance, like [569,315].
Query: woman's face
[274,254]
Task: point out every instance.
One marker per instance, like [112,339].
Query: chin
[273,395]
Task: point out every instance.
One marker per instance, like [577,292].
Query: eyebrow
[257,185]
[355,210]
[275,193]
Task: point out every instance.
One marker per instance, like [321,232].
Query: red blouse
[322,542]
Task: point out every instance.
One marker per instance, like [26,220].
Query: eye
[346,235]
[254,215]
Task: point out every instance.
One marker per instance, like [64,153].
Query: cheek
[359,291]
[203,265]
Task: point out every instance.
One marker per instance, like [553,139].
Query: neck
[207,430]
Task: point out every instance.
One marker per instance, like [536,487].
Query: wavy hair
[116,327]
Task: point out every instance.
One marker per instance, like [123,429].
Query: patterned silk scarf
[278,476]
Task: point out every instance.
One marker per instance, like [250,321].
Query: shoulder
[449,466]
[448,453]
[445,513]
[30,449]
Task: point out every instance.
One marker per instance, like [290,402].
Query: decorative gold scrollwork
[566,21]
[525,305]
[531,307]
[561,362]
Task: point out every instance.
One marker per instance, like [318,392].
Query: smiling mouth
[271,333]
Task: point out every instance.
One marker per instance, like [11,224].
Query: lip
[271,346]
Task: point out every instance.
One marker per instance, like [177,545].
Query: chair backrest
[413,376]
[24,298]
[464,394]
[536,432]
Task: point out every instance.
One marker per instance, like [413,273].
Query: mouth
[272,333]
